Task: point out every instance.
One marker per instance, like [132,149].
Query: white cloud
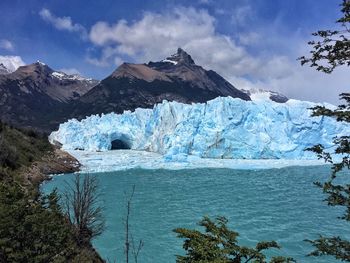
[118,61]
[6,44]
[220,11]
[11,62]
[62,23]
[103,61]
[205,2]
[157,35]
[249,38]
[242,14]
[97,62]
[301,83]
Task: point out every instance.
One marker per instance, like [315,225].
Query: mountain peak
[138,71]
[38,62]
[37,67]
[181,56]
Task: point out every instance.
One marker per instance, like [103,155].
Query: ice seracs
[222,128]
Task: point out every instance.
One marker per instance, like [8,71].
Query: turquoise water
[276,204]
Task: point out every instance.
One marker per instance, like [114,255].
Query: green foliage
[218,244]
[8,155]
[337,194]
[332,49]
[33,230]
[32,227]
[20,148]
[334,246]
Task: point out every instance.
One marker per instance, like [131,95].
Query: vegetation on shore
[32,226]
[19,149]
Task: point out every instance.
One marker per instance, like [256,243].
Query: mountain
[176,78]
[39,77]
[4,69]
[260,94]
[34,95]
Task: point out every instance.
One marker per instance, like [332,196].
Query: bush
[33,231]
[219,244]
[8,155]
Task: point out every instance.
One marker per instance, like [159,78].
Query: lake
[273,204]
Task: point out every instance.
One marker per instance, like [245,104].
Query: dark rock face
[57,85]
[280,98]
[176,78]
[34,95]
[3,69]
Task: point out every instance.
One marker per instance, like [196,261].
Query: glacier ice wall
[221,128]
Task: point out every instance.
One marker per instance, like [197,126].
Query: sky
[254,44]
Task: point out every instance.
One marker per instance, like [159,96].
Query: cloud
[157,35]
[63,23]
[249,38]
[6,44]
[301,83]
[104,60]
[11,62]
[205,2]
[97,62]
[242,14]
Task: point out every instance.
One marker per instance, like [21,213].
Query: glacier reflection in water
[274,204]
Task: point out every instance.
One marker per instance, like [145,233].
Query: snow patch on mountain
[63,76]
[11,63]
[265,95]
[223,128]
[58,75]
[41,63]
[169,61]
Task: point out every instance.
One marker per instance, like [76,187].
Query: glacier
[223,128]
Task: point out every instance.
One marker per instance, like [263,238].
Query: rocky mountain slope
[176,78]
[4,69]
[34,95]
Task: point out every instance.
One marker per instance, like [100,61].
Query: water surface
[275,204]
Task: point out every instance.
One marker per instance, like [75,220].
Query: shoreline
[55,162]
